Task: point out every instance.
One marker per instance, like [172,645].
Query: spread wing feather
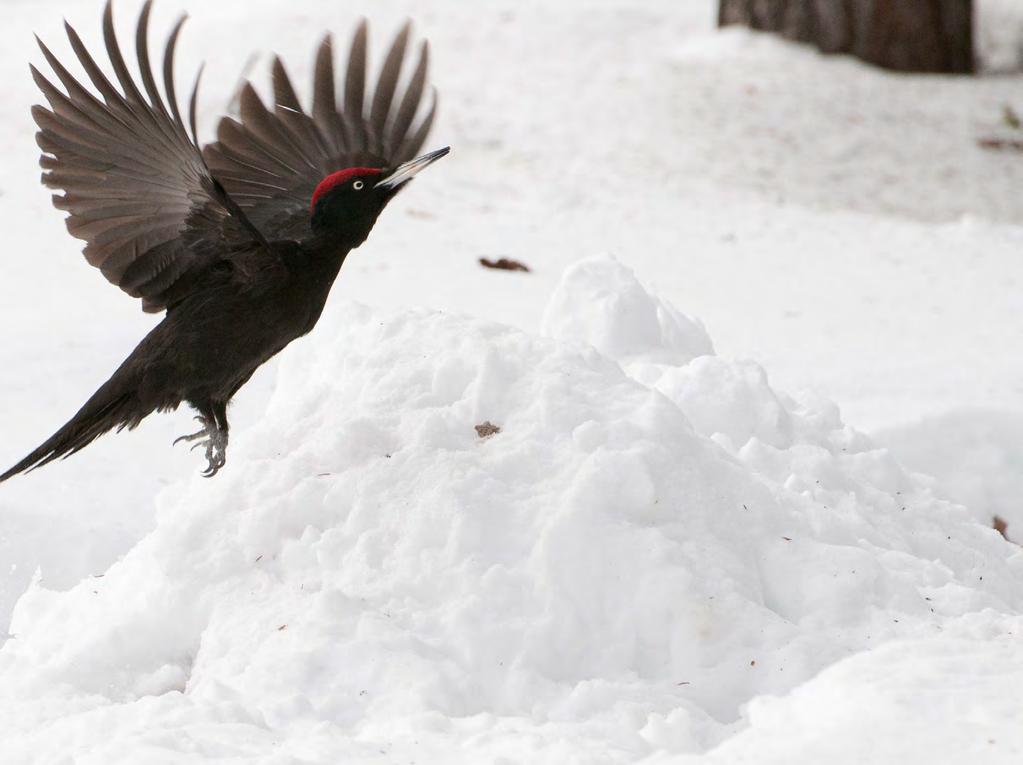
[135,185]
[271,158]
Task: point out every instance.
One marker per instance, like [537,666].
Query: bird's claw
[216,452]
[215,443]
[199,434]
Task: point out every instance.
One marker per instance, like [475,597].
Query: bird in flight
[239,241]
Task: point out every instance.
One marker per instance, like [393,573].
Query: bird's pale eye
[358,185]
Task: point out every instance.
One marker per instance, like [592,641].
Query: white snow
[937,700]
[973,456]
[604,579]
[666,553]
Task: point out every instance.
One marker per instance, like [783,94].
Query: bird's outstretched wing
[134,182]
[271,160]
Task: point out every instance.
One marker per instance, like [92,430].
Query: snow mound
[653,539]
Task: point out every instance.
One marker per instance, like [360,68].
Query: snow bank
[653,539]
[768,190]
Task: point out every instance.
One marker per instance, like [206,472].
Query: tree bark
[904,35]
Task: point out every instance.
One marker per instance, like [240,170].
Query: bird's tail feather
[114,405]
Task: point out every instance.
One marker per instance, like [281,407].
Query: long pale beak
[407,171]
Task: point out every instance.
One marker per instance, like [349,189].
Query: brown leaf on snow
[504,264]
[999,524]
[487,429]
[1000,144]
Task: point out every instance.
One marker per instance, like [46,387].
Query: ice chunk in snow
[600,302]
[725,398]
[652,541]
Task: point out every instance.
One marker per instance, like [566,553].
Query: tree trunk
[905,35]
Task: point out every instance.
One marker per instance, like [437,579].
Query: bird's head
[346,203]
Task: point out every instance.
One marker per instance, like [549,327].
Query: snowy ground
[661,554]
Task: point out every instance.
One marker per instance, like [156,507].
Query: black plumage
[240,241]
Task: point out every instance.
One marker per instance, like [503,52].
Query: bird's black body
[239,244]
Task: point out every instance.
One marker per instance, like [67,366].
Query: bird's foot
[207,427]
[215,443]
[216,452]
